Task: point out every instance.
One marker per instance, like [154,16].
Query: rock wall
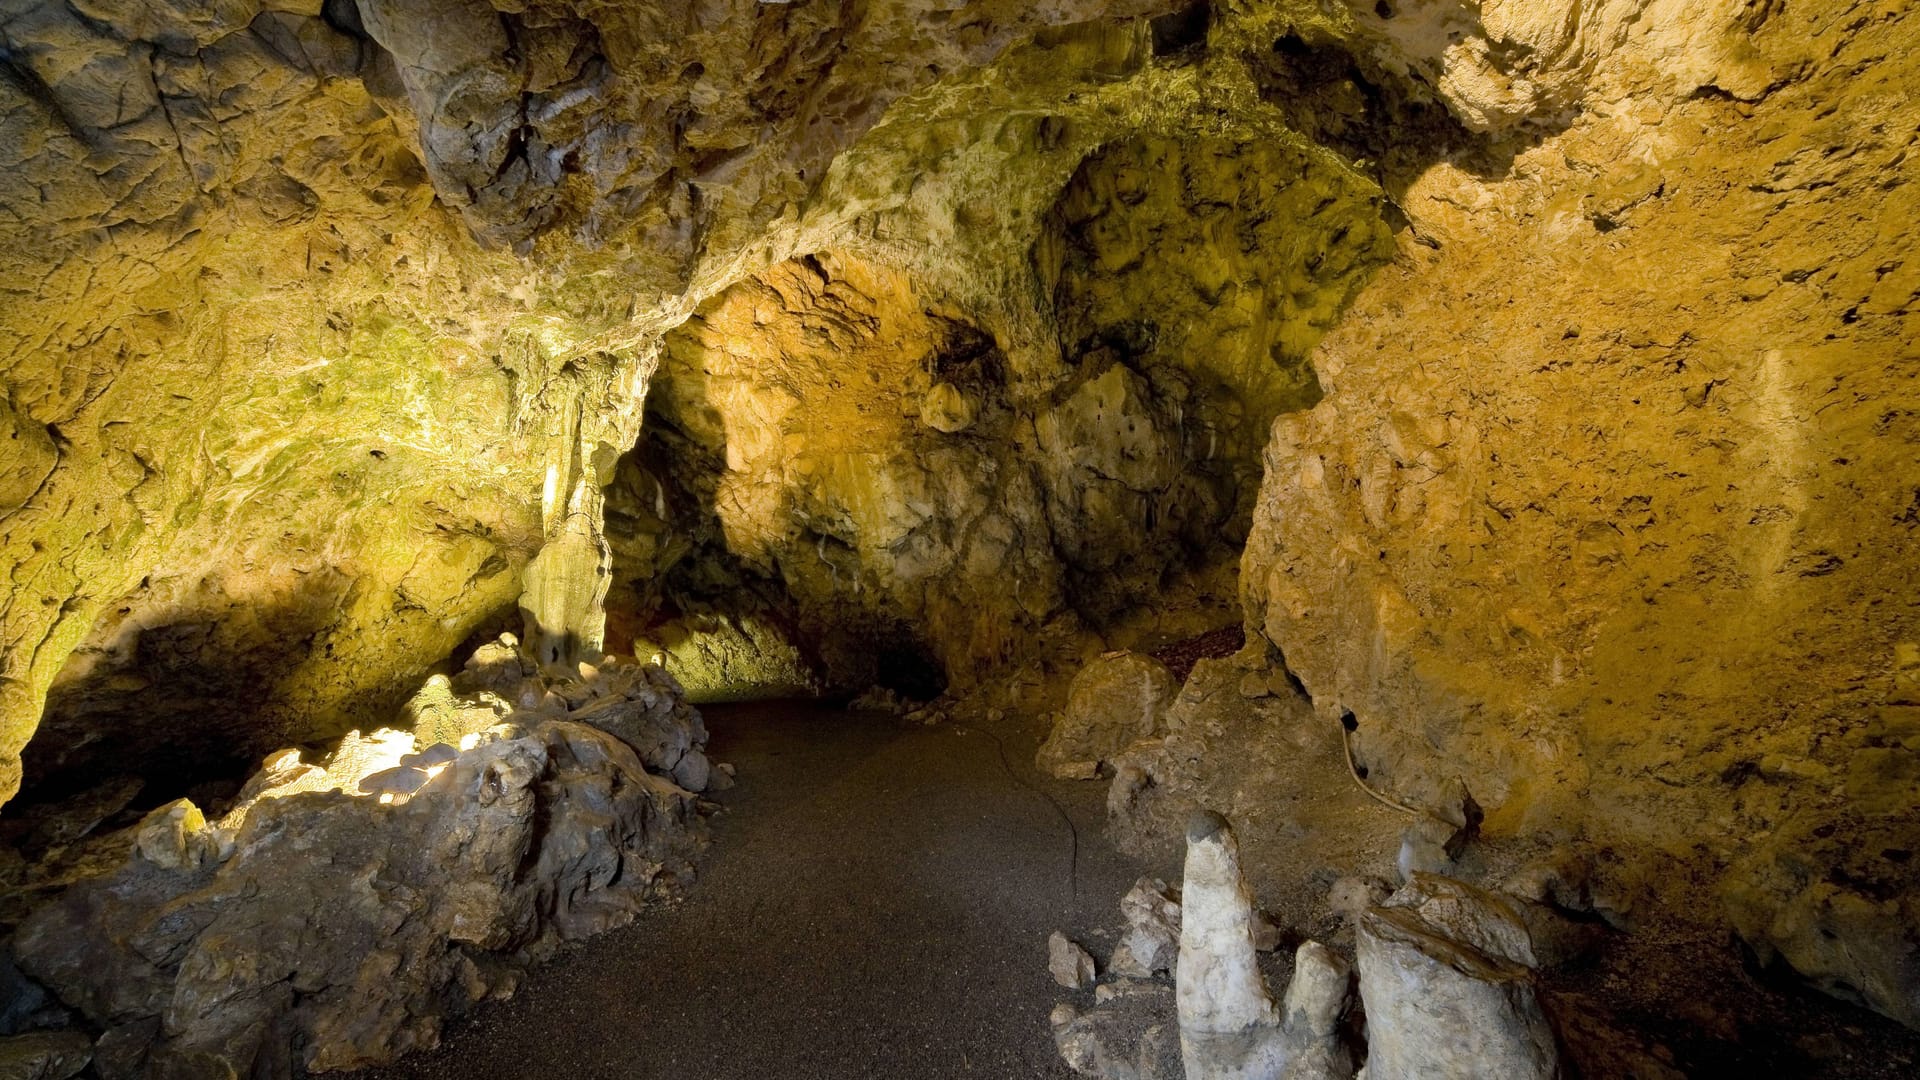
[1606,507]
[312,307]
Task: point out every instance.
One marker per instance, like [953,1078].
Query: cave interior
[1123,538]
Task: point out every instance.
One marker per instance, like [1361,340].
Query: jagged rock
[1435,840]
[344,927]
[1068,963]
[53,1055]
[176,837]
[1151,944]
[1560,878]
[121,1052]
[1114,701]
[1854,947]
[74,818]
[1436,1007]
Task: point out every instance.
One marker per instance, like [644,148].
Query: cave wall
[307,300]
[321,317]
[1608,506]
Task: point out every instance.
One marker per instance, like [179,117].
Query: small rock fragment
[176,837]
[1070,965]
[1152,941]
[1266,932]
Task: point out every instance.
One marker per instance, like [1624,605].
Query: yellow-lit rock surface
[1552,360]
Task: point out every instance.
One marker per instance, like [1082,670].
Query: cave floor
[876,903]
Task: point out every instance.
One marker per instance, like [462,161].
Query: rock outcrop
[340,913]
[1113,702]
[1594,510]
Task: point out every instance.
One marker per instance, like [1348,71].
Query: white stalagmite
[1220,990]
[1230,1028]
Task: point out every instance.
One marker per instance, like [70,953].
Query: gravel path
[876,903]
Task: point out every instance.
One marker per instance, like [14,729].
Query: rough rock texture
[1114,702]
[325,317]
[1152,942]
[54,1055]
[1574,338]
[1599,508]
[1439,1007]
[1130,1035]
[1230,1027]
[340,913]
[1068,963]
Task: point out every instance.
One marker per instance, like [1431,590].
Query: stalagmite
[1230,1028]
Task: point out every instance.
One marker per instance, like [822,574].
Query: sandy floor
[876,904]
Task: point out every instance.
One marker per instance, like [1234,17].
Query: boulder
[1440,1008]
[1858,948]
[1113,701]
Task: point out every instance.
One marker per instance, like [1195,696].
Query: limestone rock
[1220,988]
[1855,947]
[1436,1007]
[176,837]
[1311,1011]
[341,922]
[1229,1025]
[1503,926]
[1112,702]
[1068,963]
[1151,944]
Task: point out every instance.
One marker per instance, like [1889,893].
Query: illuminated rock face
[1598,511]
[305,301]
[340,913]
[1553,360]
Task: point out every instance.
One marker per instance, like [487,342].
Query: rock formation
[1545,370]
[339,914]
